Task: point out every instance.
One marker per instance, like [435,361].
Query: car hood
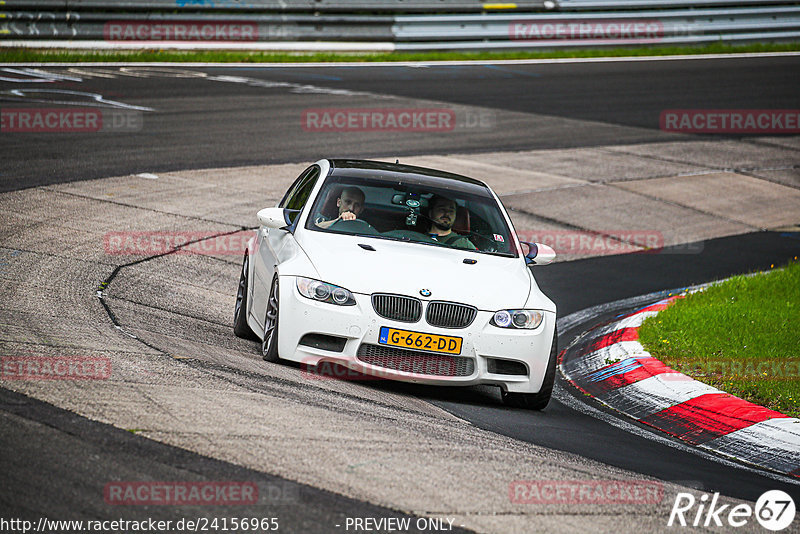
[492,283]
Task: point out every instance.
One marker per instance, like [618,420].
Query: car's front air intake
[397,307]
[450,314]
[418,363]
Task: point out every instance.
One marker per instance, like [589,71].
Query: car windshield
[436,212]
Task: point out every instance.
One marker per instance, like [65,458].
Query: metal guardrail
[596,5]
[207,27]
[415,32]
[373,6]
[280,6]
[637,25]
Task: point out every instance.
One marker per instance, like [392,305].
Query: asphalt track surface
[615,278]
[201,124]
[57,463]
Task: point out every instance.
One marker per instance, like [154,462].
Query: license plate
[419,341]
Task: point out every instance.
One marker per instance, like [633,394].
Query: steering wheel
[356,226]
[486,244]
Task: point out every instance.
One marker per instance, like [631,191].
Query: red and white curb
[610,364]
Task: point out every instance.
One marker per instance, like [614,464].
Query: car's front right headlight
[325,292]
[525,319]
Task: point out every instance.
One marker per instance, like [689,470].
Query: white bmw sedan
[402,273]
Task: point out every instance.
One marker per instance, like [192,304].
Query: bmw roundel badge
[425,292]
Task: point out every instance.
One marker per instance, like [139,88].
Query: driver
[442,215]
[350,204]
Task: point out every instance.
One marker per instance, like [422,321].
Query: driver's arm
[325,224]
[346,216]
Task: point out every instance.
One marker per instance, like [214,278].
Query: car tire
[537,401]
[269,345]
[240,326]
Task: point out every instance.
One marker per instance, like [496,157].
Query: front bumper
[357,329]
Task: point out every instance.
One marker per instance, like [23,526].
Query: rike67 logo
[774,510]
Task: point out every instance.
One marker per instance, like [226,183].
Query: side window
[300,179]
[297,196]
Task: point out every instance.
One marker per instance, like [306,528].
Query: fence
[406,25]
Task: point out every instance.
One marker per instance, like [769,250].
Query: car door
[275,245]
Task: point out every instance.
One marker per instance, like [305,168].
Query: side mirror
[537,253]
[273,218]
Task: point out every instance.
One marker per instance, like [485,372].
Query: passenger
[442,214]
[350,204]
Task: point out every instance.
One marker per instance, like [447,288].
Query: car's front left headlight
[324,292]
[525,319]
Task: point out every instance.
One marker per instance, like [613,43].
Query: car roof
[396,172]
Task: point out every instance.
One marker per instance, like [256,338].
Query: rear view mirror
[537,253]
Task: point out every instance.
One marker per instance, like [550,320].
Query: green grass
[27,55]
[741,336]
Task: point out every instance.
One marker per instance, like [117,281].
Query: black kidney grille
[397,307]
[415,362]
[450,314]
